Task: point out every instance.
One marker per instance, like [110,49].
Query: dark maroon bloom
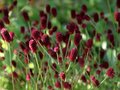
[43,22]
[98,72]
[89,43]
[13,63]
[15,2]
[77,39]
[1,24]
[81,61]
[96,17]
[32,45]
[56,75]
[15,75]
[11,35]
[104,65]
[54,66]
[50,88]
[41,13]
[52,53]
[22,29]
[40,54]
[71,27]
[22,46]
[94,81]
[6,20]
[49,25]
[102,15]
[66,37]
[118,3]
[111,38]
[118,56]
[86,17]
[98,36]
[62,75]
[73,13]
[84,8]
[73,54]
[66,85]
[48,8]
[117,16]
[46,40]
[57,84]
[59,37]
[35,34]
[86,50]
[54,12]
[83,78]
[59,59]
[6,12]
[110,72]
[102,53]
[25,15]
[54,29]
[84,25]
[95,65]
[5,35]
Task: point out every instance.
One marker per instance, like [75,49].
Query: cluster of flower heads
[66,52]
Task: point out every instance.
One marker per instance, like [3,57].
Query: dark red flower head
[54,12]
[13,63]
[84,8]
[11,35]
[33,45]
[62,75]
[81,61]
[59,37]
[25,15]
[1,24]
[57,84]
[83,78]
[118,56]
[35,34]
[104,65]
[54,29]
[71,27]
[89,43]
[48,8]
[73,13]
[110,72]
[66,85]
[118,3]
[46,40]
[77,39]
[15,75]
[22,29]
[73,54]
[94,81]
[52,53]
[5,35]
[96,17]
[43,23]
[117,16]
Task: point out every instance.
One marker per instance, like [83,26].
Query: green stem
[11,66]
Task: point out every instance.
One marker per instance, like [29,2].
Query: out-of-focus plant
[61,45]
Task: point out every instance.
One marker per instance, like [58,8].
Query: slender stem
[38,70]
[103,80]
[11,66]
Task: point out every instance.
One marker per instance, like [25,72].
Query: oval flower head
[110,72]
[32,45]
[5,35]
[73,54]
